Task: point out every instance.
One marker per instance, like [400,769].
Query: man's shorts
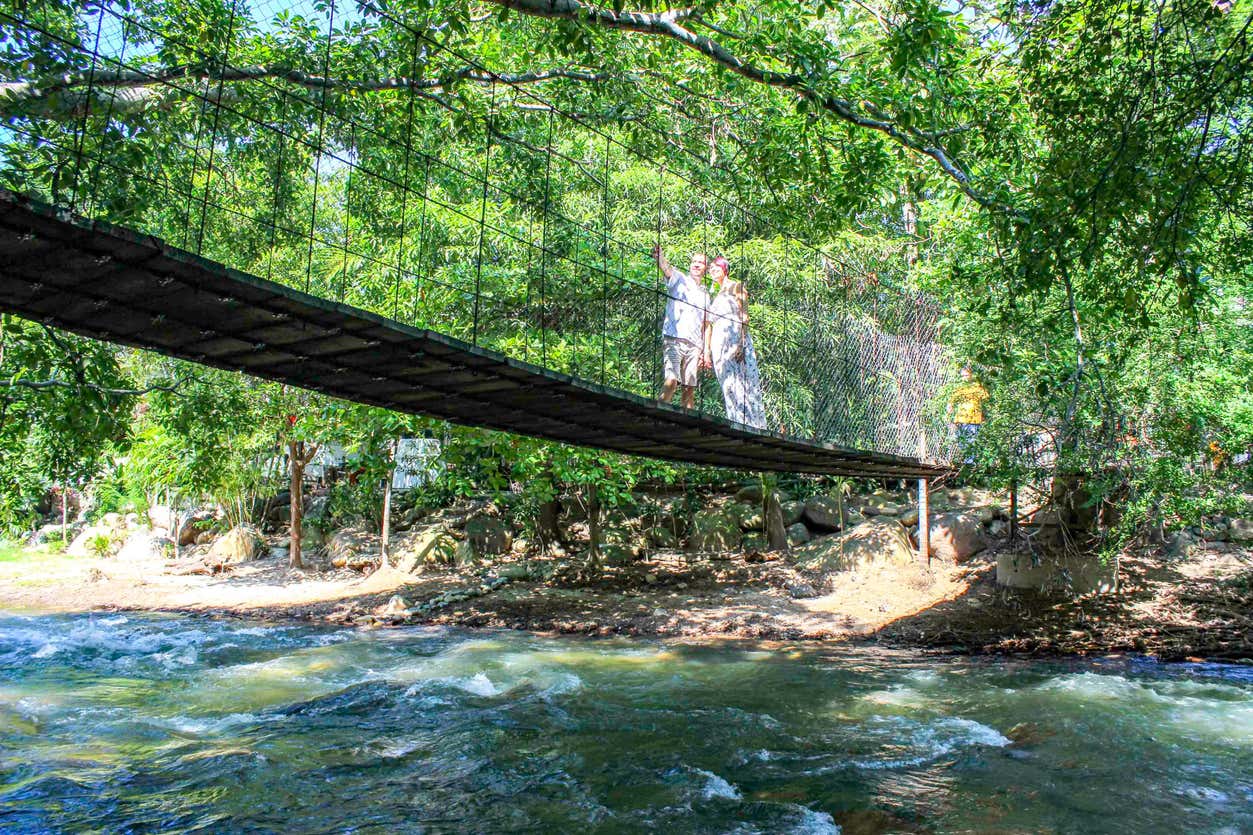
[682,359]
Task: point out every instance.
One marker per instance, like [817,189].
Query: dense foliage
[1070,179]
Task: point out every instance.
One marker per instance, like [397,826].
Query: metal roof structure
[107,282]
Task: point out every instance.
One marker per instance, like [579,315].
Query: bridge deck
[110,283]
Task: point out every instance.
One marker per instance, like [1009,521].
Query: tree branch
[666,25]
[130,91]
[43,385]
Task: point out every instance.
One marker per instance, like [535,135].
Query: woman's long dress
[740,378]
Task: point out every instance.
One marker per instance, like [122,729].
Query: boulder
[433,545]
[957,536]
[52,533]
[488,536]
[353,548]
[617,555]
[192,525]
[797,534]
[713,530]
[868,543]
[96,540]
[909,518]
[880,505]
[1213,530]
[967,497]
[755,541]
[663,538]
[1182,544]
[672,518]
[750,494]
[145,546]
[792,512]
[464,554]
[397,607]
[238,545]
[1084,574]
[1240,530]
[747,516]
[829,514]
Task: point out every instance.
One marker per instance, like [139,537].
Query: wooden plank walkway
[110,283]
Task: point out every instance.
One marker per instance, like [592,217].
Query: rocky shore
[673,567]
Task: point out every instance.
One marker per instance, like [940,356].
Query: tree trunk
[296,455]
[65,527]
[546,527]
[909,214]
[387,503]
[593,522]
[776,531]
[176,523]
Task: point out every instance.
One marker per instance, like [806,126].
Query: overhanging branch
[129,91]
[667,25]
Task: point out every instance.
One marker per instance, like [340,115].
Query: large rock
[670,517]
[957,536]
[829,514]
[750,494]
[1183,544]
[866,544]
[663,538]
[353,548]
[190,524]
[146,546]
[238,545]
[713,530]
[797,534]
[51,532]
[616,554]
[1084,574]
[433,545]
[98,540]
[1240,530]
[755,541]
[747,516]
[488,536]
[792,512]
[880,505]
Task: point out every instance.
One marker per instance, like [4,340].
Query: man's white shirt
[686,308]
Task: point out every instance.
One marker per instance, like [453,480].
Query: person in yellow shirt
[966,406]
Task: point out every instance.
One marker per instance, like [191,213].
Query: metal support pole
[1013,510]
[924,523]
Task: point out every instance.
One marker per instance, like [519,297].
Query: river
[136,723]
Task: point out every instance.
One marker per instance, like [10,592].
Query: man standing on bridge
[683,332]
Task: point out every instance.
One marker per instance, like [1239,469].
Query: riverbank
[1196,606]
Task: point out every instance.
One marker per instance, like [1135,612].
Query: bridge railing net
[489,214]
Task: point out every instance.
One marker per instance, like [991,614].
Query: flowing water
[175,724]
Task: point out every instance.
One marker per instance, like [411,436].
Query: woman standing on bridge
[729,347]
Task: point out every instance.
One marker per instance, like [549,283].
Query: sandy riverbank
[1199,607]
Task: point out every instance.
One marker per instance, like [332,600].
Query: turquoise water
[180,724]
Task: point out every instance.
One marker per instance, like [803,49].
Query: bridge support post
[924,523]
[1013,510]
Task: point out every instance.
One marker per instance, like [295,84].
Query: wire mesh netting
[468,202]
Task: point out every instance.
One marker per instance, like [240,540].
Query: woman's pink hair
[720,261]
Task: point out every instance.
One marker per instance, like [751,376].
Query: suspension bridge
[318,227]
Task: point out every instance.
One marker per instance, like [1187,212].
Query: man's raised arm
[662,263]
